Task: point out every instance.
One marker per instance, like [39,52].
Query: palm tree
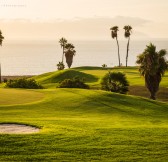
[152,66]
[1,39]
[114,31]
[69,53]
[128,30]
[63,43]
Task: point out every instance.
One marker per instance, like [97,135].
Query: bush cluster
[115,82]
[73,83]
[23,83]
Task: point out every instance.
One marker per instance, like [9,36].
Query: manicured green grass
[84,125]
[94,74]
[137,83]
[93,77]
[87,125]
[59,76]
[19,96]
[132,74]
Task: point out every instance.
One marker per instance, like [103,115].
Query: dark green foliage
[73,83]
[128,31]
[60,66]
[5,80]
[104,66]
[69,58]
[1,38]
[69,53]
[114,31]
[152,66]
[115,82]
[23,83]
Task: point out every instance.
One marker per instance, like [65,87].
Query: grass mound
[58,76]
[93,76]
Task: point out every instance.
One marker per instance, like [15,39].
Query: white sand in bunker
[17,129]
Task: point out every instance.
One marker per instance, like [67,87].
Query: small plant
[115,82]
[60,66]
[104,66]
[73,83]
[23,83]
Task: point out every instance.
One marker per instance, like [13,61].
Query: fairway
[19,96]
[87,125]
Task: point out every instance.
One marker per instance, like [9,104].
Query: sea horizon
[33,57]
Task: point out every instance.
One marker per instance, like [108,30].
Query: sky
[82,19]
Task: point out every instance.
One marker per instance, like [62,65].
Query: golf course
[86,124]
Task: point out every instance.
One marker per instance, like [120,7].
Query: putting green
[18,96]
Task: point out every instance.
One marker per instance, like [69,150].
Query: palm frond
[1,38]
[114,28]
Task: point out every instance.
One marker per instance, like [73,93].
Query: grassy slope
[87,125]
[131,73]
[137,85]
[18,96]
[93,76]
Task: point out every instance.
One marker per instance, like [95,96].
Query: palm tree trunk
[152,84]
[63,55]
[118,52]
[152,96]
[127,51]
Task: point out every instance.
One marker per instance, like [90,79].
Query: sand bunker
[17,129]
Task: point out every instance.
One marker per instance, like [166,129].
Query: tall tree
[63,43]
[114,35]
[1,40]
[152,66]
[128,30]
[69,53]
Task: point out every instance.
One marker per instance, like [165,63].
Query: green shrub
[5,80]
[60,66]
[23,83]
[115,82]
[73,83]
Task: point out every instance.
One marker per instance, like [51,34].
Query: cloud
[95,28]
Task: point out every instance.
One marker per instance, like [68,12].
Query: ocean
[37,57]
